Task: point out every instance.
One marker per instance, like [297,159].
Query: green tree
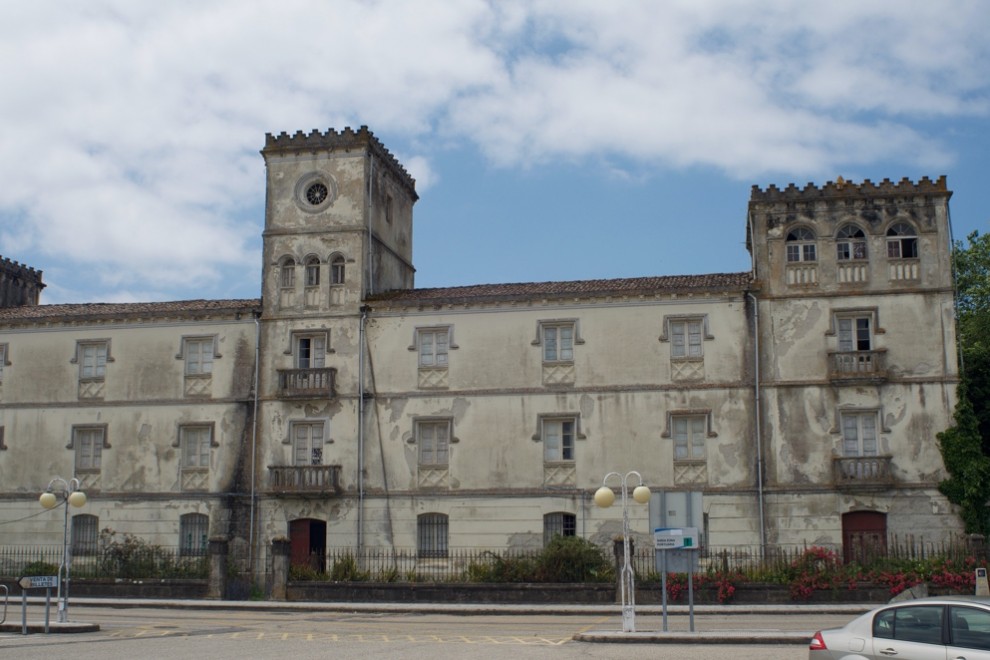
[965,447]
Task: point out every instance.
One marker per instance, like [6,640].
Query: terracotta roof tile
[612,287]
[94,311]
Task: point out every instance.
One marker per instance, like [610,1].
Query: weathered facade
[795,403]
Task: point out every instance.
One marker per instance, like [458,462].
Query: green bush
[41,568]
[346,569]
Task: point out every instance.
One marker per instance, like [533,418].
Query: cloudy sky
[550,140]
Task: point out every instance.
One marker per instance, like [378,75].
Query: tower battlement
[846,189]
[19,284]
[345,140]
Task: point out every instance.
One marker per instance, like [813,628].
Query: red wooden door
[864,536]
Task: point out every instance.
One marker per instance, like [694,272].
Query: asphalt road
[128,633]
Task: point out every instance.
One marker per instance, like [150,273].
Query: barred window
[194,529]
[85,534]
[431,535]
[558,524]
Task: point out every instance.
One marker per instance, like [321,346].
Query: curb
[725,637]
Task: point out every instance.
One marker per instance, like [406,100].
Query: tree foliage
[965,446]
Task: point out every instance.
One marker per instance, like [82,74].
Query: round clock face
[316,193]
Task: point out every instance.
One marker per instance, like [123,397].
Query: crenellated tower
[19,284]
[338,222]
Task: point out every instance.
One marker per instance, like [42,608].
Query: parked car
[949,628]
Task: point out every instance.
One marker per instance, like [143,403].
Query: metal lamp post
[604,497]
[66,492]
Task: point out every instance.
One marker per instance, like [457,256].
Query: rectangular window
[311,351]
[3,359]
[859,434]
[558,440]
[433,347]
[558,343]
[198,354]
[433,439]
[558,524]
[854,334]
[195,442]
[689,437]
[685,338]
[431,535]
[88,445]
[307,443]
[92,357]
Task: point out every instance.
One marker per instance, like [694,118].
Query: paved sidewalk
[79,605]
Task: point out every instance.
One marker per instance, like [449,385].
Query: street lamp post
[604,497]
[66,492]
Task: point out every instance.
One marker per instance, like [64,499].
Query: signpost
[675,538]
[46,582]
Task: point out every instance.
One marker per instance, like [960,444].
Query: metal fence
[139,560]
[143,561]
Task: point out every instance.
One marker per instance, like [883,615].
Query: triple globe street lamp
[604,497]
[63,492]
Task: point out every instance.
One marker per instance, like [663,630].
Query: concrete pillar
[217,588]
[280,568]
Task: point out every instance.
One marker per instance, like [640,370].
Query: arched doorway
[308,543]
[864,536]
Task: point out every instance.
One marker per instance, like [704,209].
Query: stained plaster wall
[138,488]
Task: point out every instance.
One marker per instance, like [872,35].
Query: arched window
[801,245]
[287,276]
[850,243]
[194,530]
[337,269]
[85,534]
[902,241]
[313,271]
[431,535]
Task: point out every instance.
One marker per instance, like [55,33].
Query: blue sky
[550,140]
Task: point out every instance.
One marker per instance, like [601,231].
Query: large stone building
[795,403]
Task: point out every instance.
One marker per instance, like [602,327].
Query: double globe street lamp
[604,497]
[65,492]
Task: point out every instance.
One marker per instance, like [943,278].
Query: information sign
[675,538]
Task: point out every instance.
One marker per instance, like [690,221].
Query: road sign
[675,538]
[39,582]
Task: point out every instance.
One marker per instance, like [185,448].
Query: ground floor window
[431,535]
[558,524]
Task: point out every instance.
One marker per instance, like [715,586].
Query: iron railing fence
[145,561]
[466,564]
[874,555]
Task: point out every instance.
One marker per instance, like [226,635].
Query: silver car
[949,628]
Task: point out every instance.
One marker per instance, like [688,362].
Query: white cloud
[132,129]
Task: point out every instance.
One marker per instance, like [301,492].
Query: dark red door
[864,536]
[308,543]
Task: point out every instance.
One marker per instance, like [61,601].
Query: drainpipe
[254,435]
[757,421]
[361,347]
